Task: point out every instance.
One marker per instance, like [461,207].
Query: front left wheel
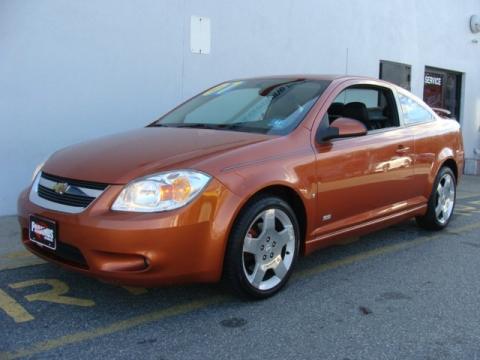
[263,248]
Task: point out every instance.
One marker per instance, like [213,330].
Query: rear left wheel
[263,248]
[441,202]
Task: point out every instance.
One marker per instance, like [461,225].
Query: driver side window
[372,105]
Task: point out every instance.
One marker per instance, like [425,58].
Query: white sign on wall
[200,35]
[431,79]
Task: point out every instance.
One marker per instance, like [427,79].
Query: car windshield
[267,106]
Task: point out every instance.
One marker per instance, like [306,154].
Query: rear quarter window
[413,112]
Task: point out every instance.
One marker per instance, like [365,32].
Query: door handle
[402,149]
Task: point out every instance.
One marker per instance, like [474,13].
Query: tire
[441,202]
[262,249]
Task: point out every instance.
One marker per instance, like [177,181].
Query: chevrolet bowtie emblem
[61,188]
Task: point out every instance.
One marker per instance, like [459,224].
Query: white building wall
[72,70]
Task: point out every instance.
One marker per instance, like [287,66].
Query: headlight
[161,192]
[37,170]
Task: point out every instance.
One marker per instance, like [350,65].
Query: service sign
[433,79]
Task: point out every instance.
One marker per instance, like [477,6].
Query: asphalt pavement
[400,293]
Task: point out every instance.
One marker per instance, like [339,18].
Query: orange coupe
[240,180]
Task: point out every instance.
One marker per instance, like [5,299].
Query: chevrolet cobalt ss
[240,180]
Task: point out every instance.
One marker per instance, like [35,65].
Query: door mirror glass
[341,128]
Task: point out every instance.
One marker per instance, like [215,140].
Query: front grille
[77,183]
[64,194]
[65,199]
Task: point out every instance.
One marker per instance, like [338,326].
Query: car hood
[120,158]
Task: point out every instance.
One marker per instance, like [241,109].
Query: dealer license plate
[43,232]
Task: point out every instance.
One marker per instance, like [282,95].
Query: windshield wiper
[235,126]
[158,125]
[241,125]
[186,125]
[196,126]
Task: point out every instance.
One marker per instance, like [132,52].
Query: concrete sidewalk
[13,254]
[468,185]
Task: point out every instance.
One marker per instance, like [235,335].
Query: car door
[429,141]
[363,178]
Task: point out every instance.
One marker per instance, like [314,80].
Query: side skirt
[337,236]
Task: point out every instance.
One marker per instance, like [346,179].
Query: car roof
[329,77]
[325,77]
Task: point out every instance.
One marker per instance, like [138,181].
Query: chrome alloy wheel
[268,249]
[445,198]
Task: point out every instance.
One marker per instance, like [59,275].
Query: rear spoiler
[443,113]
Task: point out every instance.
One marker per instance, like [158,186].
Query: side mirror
[341,128]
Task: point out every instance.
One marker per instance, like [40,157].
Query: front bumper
[184,245]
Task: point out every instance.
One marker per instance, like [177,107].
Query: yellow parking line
[195,305]
[364,256]
[381,251]
[462,196]
[462,229]
[113,328]
[56,293]
[24,262]
[17,254]
[135,290]
[13,309]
